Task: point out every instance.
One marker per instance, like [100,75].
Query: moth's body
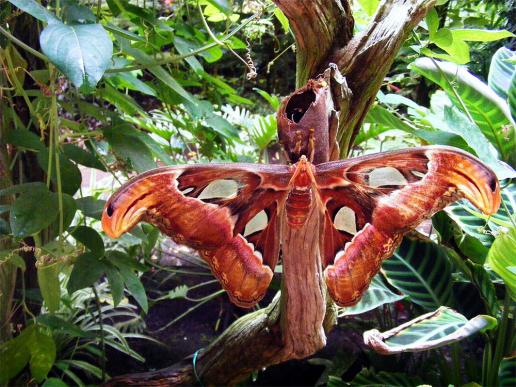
[231,213]
[299,198]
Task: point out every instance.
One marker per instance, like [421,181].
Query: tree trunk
[291,327]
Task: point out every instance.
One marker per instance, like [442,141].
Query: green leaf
[376,295]
[86,271]
[221,5]
[48,281]
[432,330]
[506,374]
[69,210]
[36,10]
[501,71]
[432,21]
[78,14]
[116,282]
[59,325]
[125,103]
[21,188]
[32,212]
[15,356]
[392,379]
[448,118]
[475,35]
[25,139]
[34,345]
[131,149]
[123,33]
[501,258]
[178,292]
[71,177]
[272,99]
[421,270]
[91,239]
[487,109]
[470,224]
[221,126]
[511,97]
[282,19]
[264,130]
[81,51]
[135,287]
[184,47]
[54,382]
[91,207]
[369,6]
[42,354]
[158,71]
[82,156]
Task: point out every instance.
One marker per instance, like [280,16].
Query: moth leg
[240,270]
[354,267]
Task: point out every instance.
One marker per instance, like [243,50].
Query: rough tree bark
[291,327]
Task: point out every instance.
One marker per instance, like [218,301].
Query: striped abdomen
[298,206]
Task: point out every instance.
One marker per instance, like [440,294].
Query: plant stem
[18,42]
[501,340]
[102,342]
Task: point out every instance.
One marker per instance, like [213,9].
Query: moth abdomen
[298,204]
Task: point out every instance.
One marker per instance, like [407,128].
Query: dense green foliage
[92,93]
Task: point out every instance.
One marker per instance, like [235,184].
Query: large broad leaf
[36,10]
[422,271]
[33,211]
[87,269]
[502,259]
[501,71]
[489,111]
[48,281]
[512,97]
[376,295]
[35,346]
[81,51]
[447,118]
[432,330]
[70,174]
[129,147]
[90,238]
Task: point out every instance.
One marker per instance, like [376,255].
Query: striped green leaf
[432,330]
[422,271]
[376,295]
[371,377]
[489,111]
[506,374]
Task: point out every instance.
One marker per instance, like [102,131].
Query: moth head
[125,209]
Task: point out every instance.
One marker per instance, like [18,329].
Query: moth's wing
[372,201]
[228,212]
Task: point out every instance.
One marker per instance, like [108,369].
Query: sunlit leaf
[501,258]
[81,51]
[488,110]
[432,330]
